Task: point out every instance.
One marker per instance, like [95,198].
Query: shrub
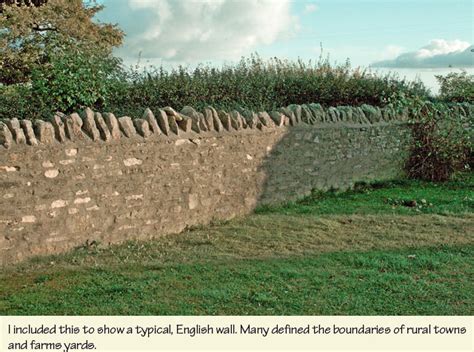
[457,87]
[73,79]
[442,144]
[255,84]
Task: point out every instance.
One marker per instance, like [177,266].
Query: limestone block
[150,118]
[236,120]
[307,115]
[6,137]
[162,120]
[265,119]
[44,132]
[73,124]
[297,110]
[113,126]
[173,125]
[216,120]
[318,112]
[288,113]
[89,125]
[27,127]
[17,132]
[171,112]
[185,124]
[59,127]
[333,114]
[126,126]
[102,127]
[142,127]
[195,118]
[209,120]
[225,119]
[278,118]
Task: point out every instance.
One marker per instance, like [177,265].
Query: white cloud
[309,8]
[196,30]
[437,54]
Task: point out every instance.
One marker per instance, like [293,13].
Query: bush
[457,87]
[442,144]
[255,84]
[74,79]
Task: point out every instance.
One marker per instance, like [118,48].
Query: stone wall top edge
[169,124]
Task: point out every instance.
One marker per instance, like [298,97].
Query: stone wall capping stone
[102,127]
[93,126]
[126,126]
[89,126]
[59,127]
[162,120]
[27,127]
[150,118]
[113,125]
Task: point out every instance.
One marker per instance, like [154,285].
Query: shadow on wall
[78,179]
[333,156]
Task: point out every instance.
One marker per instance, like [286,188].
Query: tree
[32,32]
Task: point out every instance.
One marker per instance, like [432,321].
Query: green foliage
[457,87]
[74,79]
[28,34]
[255,84]
[442,141]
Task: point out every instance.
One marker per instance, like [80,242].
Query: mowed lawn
[396,248]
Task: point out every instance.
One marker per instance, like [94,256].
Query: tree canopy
[32,31]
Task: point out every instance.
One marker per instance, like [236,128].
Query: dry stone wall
[77,179]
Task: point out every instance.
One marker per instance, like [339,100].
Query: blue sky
[415,38]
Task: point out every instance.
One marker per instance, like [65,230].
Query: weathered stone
[17,132]
[265,119]
[27,127]
[208,118]
[371,113]
[73,124]
[162,120]
[113,125]
[318,112]
[297,110]
[250,118]
[102,127]
[195,118]
[185,124]
[173,125]
[59,128]
[126,126]
[150,118]
[278,118]
[44,132]
[333,114]
[236,120]
[306,115]
[142,127]
[225,119]
[290,114]
[132,162]
[89,125]
[342,114]
[171,112]
[215,120]
[361,118]
[6,137]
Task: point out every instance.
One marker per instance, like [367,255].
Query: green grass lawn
[364,252]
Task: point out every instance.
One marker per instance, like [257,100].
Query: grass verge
[298,259]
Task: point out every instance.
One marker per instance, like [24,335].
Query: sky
[413,38]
